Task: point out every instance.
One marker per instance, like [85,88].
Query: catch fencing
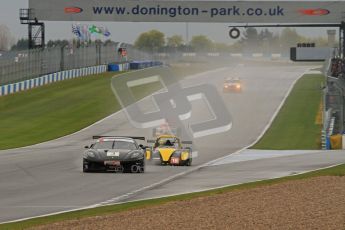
[23,65]
[334,110]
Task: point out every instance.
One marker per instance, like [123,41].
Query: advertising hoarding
[190,11]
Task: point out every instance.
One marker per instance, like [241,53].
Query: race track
[48,177]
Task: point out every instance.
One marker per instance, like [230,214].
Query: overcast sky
[123,31]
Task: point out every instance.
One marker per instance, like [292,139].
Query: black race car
[116,154]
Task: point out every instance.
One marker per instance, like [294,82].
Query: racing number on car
[175,160]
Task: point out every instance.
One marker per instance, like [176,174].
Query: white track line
[224,186]
[117,112]
[116,198]
[171,178]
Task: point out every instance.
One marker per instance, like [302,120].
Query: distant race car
[168,150]
[232,85]
[116,154]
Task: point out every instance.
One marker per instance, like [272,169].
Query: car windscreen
[164,141]
[103,145]
[233,81]
[125,145]
[116,144]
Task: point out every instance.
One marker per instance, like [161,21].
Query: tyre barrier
[323,140]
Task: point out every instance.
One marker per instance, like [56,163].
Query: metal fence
[334,110]
[22,65]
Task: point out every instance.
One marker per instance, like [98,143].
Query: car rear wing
[158,131]
[137,138]
[182,142]
[187,142]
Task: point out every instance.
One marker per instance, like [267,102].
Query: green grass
[295,127]
[58,109]
[54,110]
[107,210]
[306,90]
[62,108]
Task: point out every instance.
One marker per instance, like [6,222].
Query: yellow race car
[168,150]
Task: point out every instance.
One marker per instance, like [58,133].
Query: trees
[151,40]
[268,42]
[175,41]
[201,43]
[250,39]
[289,38]
[250,35]
[6,39]
[221,47]
[253,40]
[265,41]
[22,44]
[58,43]
[109,42]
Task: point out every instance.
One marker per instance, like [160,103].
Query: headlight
[90,154]
[135,155]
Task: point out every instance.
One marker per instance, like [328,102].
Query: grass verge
[306,90]
[58,109]
[112,209]
[295,127]
[62,108]
[54,110]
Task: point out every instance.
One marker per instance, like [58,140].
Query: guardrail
[222,54]
[50,78]
[74,73]
[17,66]
[333,122]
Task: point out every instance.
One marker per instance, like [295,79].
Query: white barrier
[276,56]
[189,54]
[257,55]
[213,54]
[50,78]
[236,55]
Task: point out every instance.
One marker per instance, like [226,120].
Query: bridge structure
[237,13]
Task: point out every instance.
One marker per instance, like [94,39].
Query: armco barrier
[50,78]
[74,73]
[113,67]
[143,64]
[323,140]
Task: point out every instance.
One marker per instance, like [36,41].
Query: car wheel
[85,169]
[126,170]
[189,162]
[142,166]
[190,157]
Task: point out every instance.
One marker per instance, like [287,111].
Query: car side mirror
[86,147]
[142,146]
